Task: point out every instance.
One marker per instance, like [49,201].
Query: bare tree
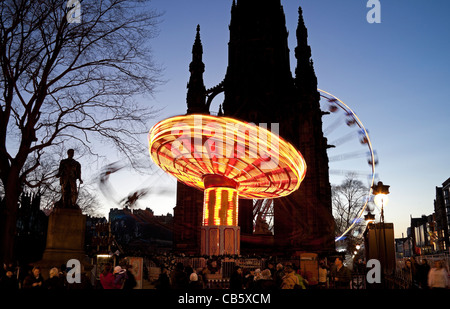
[67,82]
[348,199]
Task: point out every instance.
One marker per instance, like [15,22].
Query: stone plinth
[379,244]
[65,239]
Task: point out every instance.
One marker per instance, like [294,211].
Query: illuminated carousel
[227,159]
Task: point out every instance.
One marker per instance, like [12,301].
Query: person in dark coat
[178,278]
[34,280]
[130,281]
[266,282]
[278,275]
[54,282]
[8,281]
[422,274]
[340,274]
[163,282]
[236,279]
[271,267]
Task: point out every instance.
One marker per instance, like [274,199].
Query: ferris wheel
[350,153]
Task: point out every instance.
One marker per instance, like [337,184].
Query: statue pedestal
[65,239]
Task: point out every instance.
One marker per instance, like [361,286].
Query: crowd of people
[182,277]
[15,278]
[273,277]
[423,276]
[117,278]
[288,276]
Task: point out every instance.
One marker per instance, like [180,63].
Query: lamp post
[369,218]
[380,192]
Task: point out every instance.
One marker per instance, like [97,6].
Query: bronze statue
[68,173]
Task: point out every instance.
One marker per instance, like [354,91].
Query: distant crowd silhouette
[178,275]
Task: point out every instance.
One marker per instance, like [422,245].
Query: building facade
[442,215]
[140,231]
[422,234]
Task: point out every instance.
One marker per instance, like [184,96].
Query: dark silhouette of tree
[348,198]
[65,82]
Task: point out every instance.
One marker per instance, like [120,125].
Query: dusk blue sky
[395,76]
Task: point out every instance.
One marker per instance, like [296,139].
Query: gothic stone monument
[66,225]
[260,88]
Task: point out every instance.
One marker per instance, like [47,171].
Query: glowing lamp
[380,192]
[228,159]
[381,200]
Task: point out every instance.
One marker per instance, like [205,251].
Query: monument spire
[257,53]
[305,77]
[259,87]
[188,210]
[196,94]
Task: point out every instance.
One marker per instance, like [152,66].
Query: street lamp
[380,191]
[369,218]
